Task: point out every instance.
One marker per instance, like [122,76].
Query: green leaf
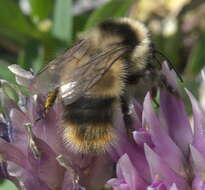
[32,56]
[112,9]
[170,47]
[13,37]
[11,93]
[79,22]
[8,185]
[62,21]
[52,48]
[11,17]
[41,9]
[197,58]
[5,73]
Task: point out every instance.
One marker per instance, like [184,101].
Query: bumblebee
[94,78]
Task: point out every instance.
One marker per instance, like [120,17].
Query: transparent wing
[76,71]
[86,76]
[51,76]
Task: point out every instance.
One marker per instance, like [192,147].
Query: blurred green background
[33,32]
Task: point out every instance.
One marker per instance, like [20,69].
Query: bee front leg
[153,94]
[126,116]
[165,84]
[159,80]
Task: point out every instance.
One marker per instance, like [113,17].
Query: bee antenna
[169,64]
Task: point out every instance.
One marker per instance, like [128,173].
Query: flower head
[32,153]
[163,153]
[167,154]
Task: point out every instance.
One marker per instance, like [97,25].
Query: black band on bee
[134,78]
[87,110]
[123,30]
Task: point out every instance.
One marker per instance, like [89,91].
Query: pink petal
[198,183]
[157,185]
[13,154]
[17,70]
[163,144]
[198,160]
[199,123]
[170,75]
[19,137]
[48,130]
[24,82]
[100,170]
[23,77]
[173,112]
[173,187]
[126,145]
[127,171]
[26,179]
[46,166]
[142,136]
[69,183]
[116,182]
[159,168]
[136,114]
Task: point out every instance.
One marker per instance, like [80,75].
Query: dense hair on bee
[95,78]
[128,32]
[88,122]
[123,30]
[83,111]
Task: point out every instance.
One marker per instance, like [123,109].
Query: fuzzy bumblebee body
[94,79]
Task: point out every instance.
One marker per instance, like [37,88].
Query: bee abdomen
[88,125]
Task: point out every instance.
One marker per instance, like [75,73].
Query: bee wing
[75,71]
[49,77]
[88,74]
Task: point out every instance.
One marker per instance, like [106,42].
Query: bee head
[128,32]
[123,31]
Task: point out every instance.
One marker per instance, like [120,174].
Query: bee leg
[126,116]
[125,111]
[50,100]
[153,94]
[44,113]
[167,86]
[38,119]
[160,81]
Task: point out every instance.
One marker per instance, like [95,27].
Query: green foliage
[32,40]
[62,21]
[32,56]
[7,185]
[35,38]
[170,46]
[197,57]
[12,18]
[41,10]
[5,73]
[113,9]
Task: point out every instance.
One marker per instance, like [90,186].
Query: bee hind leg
[49,102]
